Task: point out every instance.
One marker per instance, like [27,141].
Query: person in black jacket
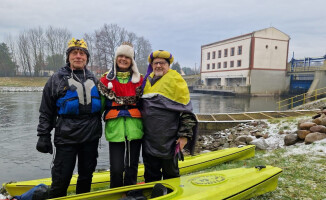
[71,104]
[169,123]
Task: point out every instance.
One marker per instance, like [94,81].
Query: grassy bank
[23,81]
[302,176]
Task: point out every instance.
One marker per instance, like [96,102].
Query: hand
[44,144]
[183,141]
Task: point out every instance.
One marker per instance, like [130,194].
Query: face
[77,59]
[123,62]
[160,66]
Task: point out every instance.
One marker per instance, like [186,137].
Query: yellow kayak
[102,179]
[240,183]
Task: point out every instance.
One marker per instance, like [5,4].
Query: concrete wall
[270,54]
[318,82]
[268,82]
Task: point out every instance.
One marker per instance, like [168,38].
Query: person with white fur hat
[121,90]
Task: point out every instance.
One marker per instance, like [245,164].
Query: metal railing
[301,99]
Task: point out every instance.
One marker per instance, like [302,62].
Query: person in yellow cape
[169,123]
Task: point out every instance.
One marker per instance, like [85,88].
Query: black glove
[44,144]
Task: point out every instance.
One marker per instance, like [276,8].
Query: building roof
[244,35]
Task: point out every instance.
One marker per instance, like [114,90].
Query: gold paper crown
[77,43]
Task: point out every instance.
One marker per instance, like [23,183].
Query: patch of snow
[317,148]
[21,89]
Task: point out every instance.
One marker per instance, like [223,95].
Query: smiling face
[160,66]
[77,59]
[123,62]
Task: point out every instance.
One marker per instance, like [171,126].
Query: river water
[19,160]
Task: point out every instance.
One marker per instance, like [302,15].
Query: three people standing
[72,104]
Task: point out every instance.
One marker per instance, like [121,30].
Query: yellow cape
[171,86]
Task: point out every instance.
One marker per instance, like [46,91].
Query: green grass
[303,177]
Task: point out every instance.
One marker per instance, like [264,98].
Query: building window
[266,46]
[239,63]
[219,53]
[208,55]
[213,54]
[275,47]
[207,66]
[213,66]
[225,52]
[239,50]
[219,65]
[225,64]
[232,51]
[232,63]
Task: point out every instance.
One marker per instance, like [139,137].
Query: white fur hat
[125,49]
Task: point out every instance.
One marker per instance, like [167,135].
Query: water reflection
[204,103]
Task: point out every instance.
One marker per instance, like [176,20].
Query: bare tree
[142,48]
[90,40]
[36,38]
[108,38]
[56,42]
[24,54]
[13,50]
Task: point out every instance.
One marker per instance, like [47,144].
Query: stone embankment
[270,135]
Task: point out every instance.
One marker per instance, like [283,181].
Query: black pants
[124,158]
[64,164]
[156,168]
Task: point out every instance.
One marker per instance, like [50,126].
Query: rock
[306,125]
[322,121]
[318,128]
[249,139]
[312,137]
[238,143]
[317,121]
[226,145]
[290,139]
[302,133]
[281,132]
[259,135]
[241,140]
[245,132]
[230,137]
[254,123]
[265,136]
[260,143]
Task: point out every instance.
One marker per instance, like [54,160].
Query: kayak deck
[190,164]
[240,183]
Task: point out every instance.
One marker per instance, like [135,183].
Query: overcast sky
[179,26]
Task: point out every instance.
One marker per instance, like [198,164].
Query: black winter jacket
[69,129]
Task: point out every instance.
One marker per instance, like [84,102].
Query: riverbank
[23,81]
[22,84]
[303,164]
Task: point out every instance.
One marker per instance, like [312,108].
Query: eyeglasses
[160,63]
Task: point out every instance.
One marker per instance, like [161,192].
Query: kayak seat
[159,190]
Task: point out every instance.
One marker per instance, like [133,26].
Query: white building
[253,63]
